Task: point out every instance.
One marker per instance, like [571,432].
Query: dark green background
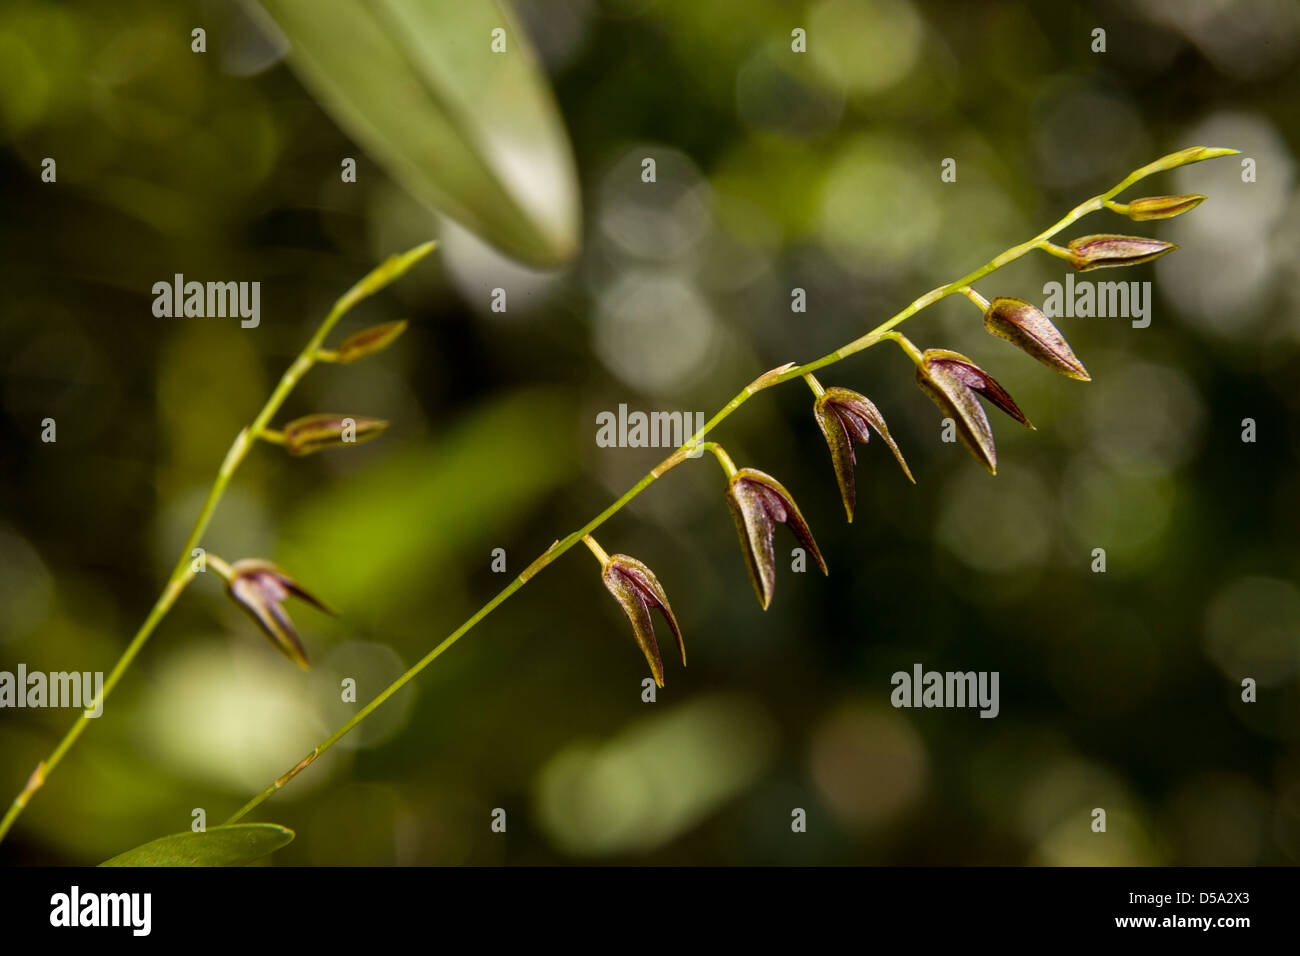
[821,171]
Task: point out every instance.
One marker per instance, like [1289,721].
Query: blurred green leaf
[392,530]
[472,132]
[655,779]
[220,846]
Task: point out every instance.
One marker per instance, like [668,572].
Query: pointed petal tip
[302,593]
[1193,154]
[656,664]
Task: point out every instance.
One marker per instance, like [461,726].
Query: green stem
[46,767]
[594,547]
[981,303]
[693,444]
[183,571]
[904,343]
[181,575]
[1052,249]
[720,453]
[223,569]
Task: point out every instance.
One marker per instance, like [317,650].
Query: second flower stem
[184,572]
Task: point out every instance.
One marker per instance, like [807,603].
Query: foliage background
[775,171]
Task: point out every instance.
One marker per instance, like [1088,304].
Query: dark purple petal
[758,502]
[958,368]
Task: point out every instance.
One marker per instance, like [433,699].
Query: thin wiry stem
[695,442]
[175,585]
[597,551]
[979,301]
[720,453]
[184,572]
[904,343]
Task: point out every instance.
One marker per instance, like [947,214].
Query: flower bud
[1029,329]
[636,588]
[260,588]
[303,436]
[1161,207]
[952,380]
[759,502]
[844,417]
[388,271]
[368,341]
[1103,251]
[1192,154]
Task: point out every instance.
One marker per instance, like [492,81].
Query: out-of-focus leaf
[221,846]
[656,779]
[394,528]
[471,132]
